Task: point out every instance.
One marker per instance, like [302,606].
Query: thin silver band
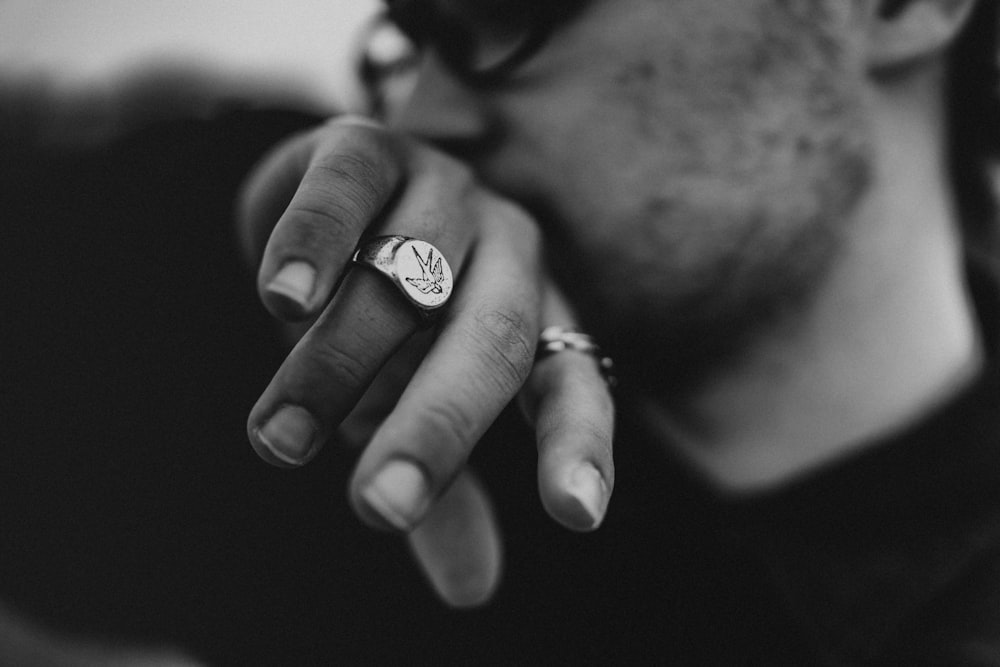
[555,339]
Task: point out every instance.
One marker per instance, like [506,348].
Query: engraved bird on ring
[434,284]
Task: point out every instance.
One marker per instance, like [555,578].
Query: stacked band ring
[561,339]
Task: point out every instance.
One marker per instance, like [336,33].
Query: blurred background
[133,513]
[300,47]
[80,71]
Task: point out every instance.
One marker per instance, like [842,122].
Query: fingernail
[398,493]
[295,280]
[587,485]
[289,434]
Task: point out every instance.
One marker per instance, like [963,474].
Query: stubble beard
[675,317]
[736,242]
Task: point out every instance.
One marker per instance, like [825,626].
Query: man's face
[693,163]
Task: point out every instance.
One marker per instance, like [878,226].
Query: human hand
[364,371]
[23,641]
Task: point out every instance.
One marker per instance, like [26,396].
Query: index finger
[353,172]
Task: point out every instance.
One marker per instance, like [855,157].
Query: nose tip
[442,111]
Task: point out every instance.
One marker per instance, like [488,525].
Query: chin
[680,304]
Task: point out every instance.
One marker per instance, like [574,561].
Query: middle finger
[365,322]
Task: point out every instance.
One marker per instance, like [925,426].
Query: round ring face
[423,273]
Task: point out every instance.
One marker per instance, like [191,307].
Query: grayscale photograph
[499,332]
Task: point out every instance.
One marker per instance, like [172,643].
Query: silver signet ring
[415,267]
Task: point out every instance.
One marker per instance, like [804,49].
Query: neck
[890,335]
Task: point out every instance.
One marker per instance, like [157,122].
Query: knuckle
[316,222]
[347,369]
[509,220]
[355,181]
[353,120]
[515,215]
[525,228]
[506,340]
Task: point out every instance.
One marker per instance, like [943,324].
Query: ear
[904,31]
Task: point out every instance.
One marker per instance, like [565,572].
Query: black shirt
[134,346]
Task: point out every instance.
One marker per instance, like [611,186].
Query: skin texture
[747,203]
[744,200]
[694,179]
[417,404]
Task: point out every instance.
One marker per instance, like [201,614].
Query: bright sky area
[306,44]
